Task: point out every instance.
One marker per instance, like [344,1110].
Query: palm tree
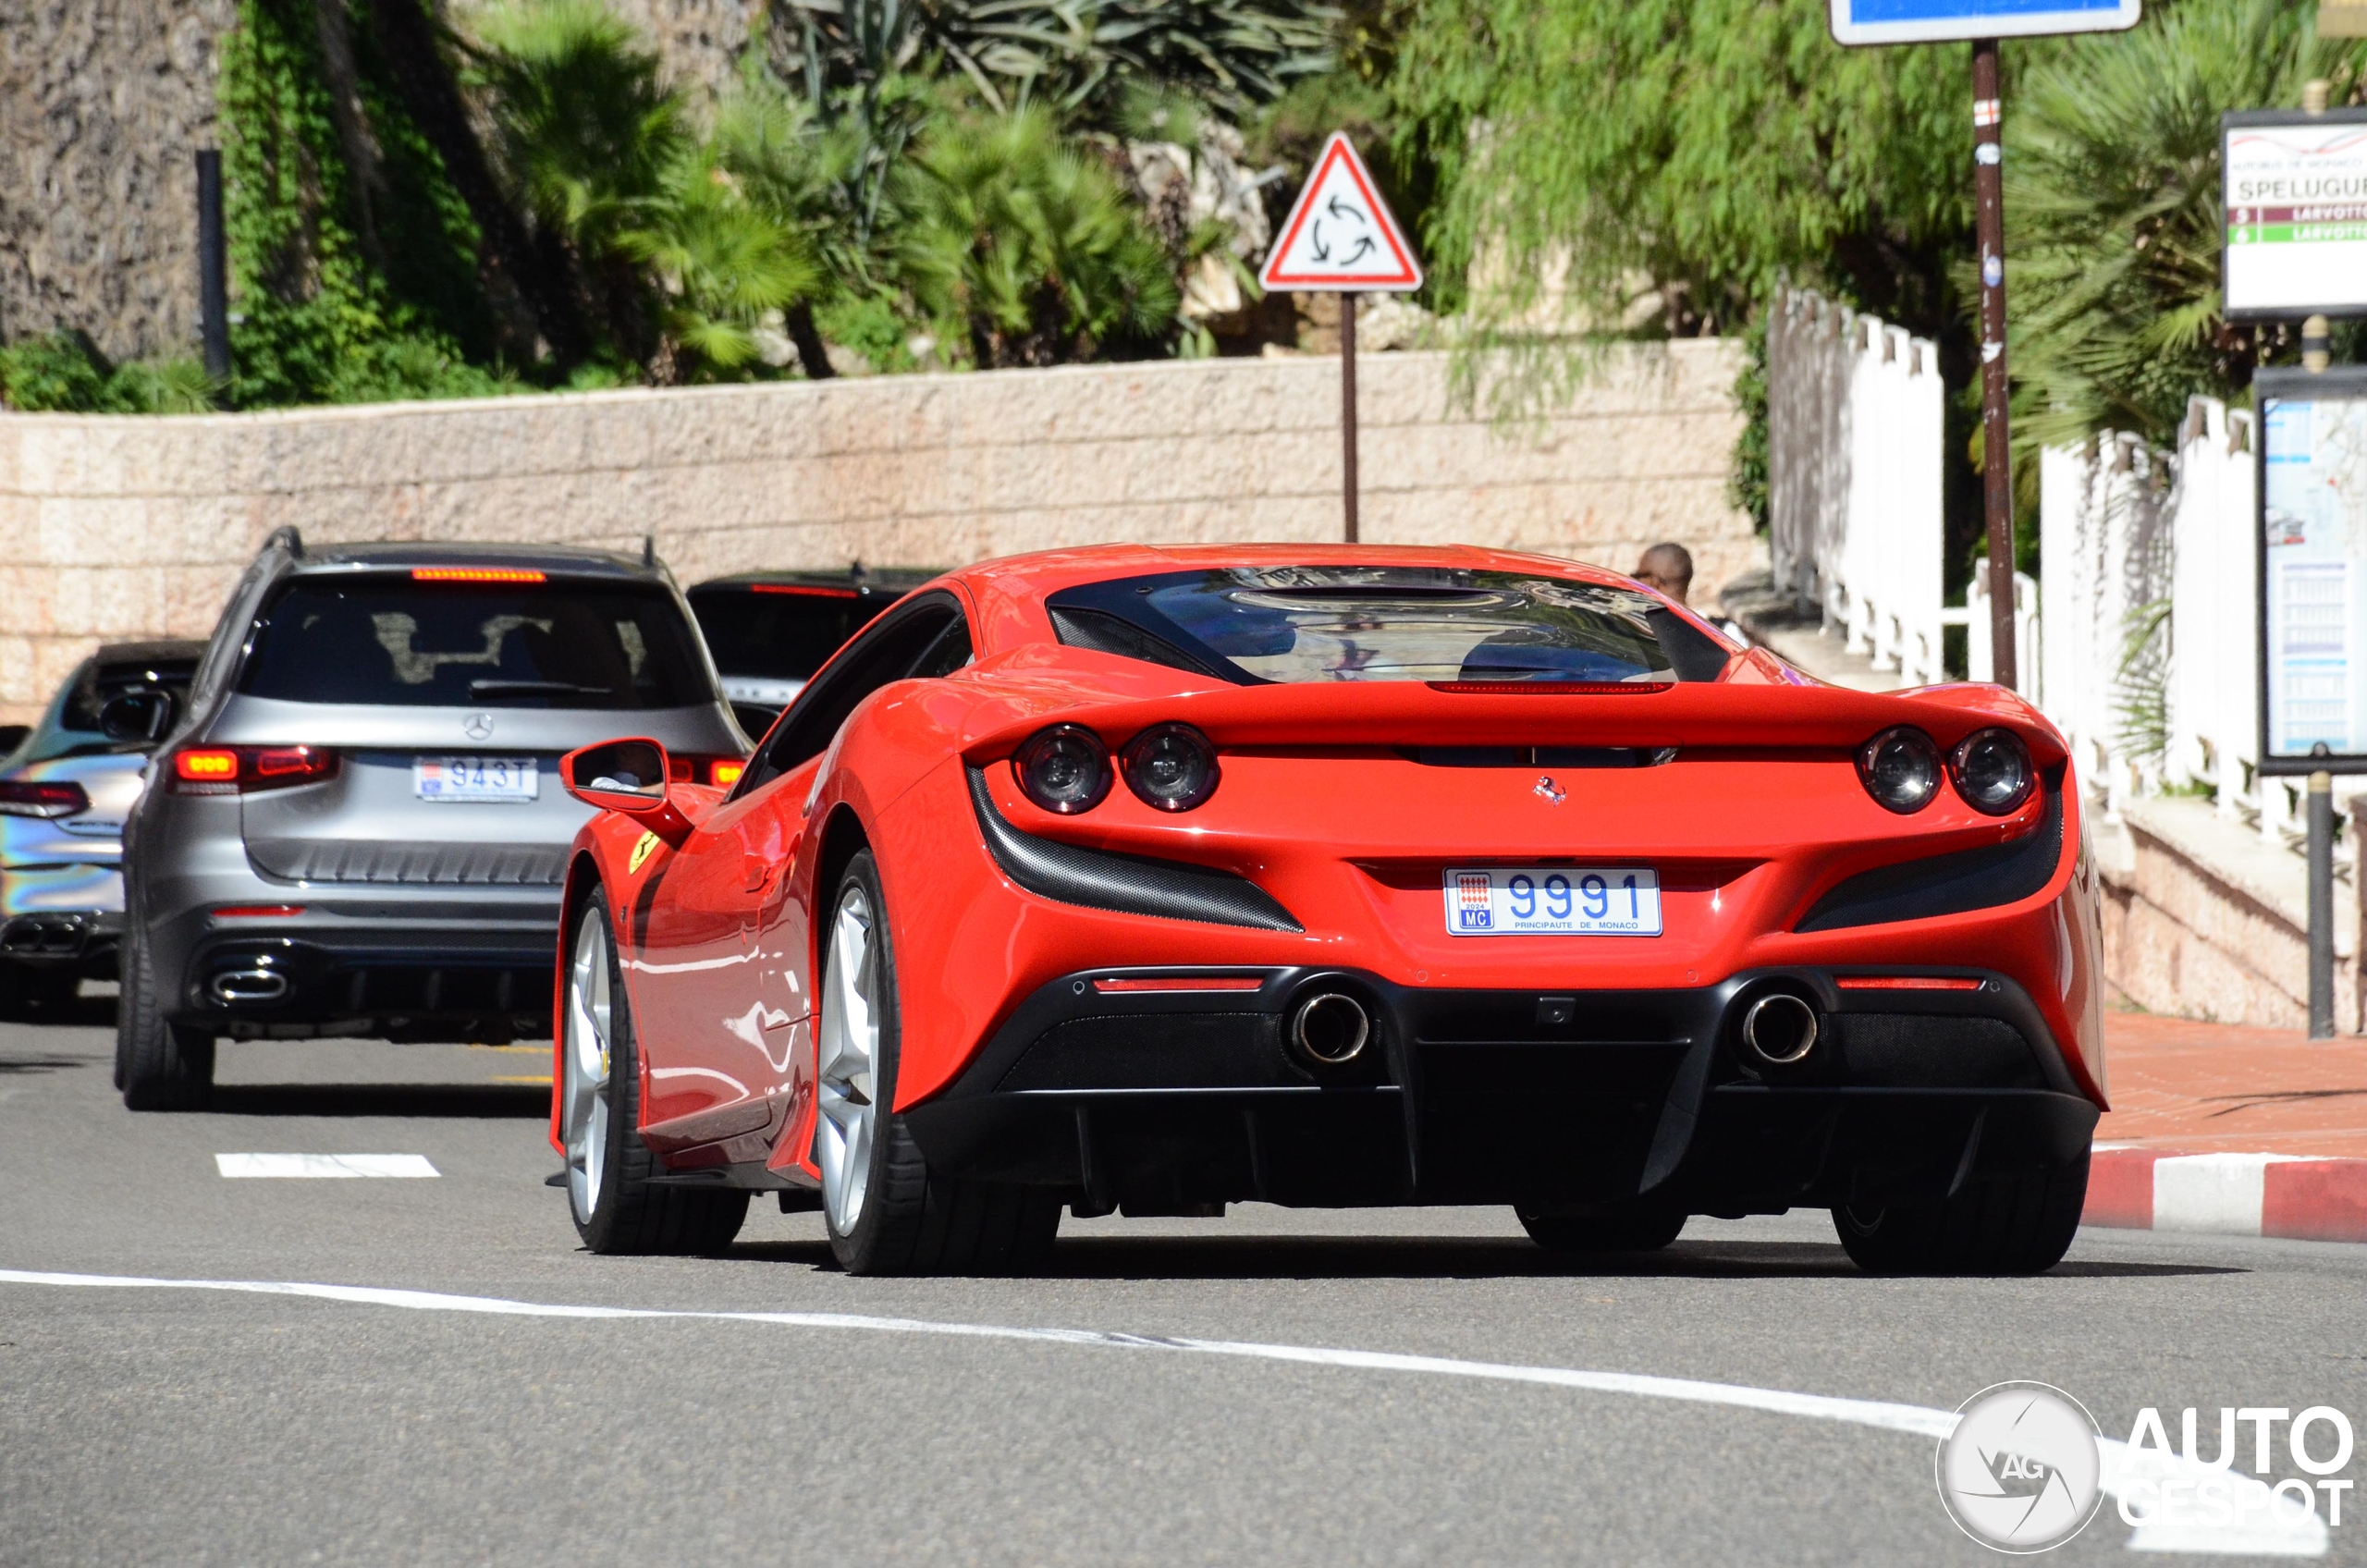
[1027,247]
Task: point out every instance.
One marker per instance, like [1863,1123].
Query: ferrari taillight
[1900,768]
[1063,769]
[1170,767]
[242,770]
[1991,768]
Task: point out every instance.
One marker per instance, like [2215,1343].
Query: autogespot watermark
[2027,1468]
[2021,1472]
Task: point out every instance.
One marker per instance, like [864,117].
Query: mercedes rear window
[379,642]
[1255,625]
[780,632]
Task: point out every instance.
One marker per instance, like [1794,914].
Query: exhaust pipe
[1329,1029]
[1779,1028]
[238,985]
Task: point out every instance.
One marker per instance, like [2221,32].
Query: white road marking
[330,1165]
[2258,1532]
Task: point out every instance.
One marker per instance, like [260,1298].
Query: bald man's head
[1667,567]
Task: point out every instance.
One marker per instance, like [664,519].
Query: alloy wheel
[584,1125]
[849,1056]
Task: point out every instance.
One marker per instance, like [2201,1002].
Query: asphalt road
[182,1426]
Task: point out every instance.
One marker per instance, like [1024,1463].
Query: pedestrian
[1667,567]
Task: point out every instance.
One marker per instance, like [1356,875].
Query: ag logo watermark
[2021,1473]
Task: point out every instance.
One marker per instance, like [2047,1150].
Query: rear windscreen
[1295,624]
[438,645]
[780,632]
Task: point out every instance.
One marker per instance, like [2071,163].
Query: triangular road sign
[1340,237]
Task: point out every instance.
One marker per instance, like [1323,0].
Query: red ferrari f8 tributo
[1151,880]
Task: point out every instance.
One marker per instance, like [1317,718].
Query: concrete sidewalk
[2225,1128]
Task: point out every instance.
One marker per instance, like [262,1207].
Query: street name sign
[1340,238]
[2312,518]
[1932,21]
[2294,188]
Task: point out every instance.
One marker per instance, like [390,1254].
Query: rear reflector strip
[1179,983]
[1907,983]
[804,592]
[256,911]
[475,574]
[1553,688]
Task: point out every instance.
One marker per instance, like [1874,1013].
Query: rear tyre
[616,1207]
[159,1065]
[885,1212]
[1646,1230]
[2019,1224]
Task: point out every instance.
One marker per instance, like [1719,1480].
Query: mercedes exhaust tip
[1331,1030]
[1779,1029]
[249,985]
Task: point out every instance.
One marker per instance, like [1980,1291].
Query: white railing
[2152,646]
[1856,414]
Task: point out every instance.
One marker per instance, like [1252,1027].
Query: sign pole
[1348,410]
[1996,466]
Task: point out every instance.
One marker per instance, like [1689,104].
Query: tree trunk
[536,275]
[812,356]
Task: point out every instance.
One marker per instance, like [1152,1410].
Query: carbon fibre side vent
[1125,884]
[1953,884]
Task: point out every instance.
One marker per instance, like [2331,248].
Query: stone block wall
[103,105]
[120,527]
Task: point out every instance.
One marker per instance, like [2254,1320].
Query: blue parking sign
[1932,21]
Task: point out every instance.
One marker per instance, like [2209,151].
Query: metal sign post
[1982,23]
[1997,453]
[1341,239]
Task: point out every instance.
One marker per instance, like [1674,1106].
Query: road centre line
[412,1166]
[2269,1534]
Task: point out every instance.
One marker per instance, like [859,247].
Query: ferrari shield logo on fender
[643,848]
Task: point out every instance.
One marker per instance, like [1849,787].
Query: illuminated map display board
[2312,512]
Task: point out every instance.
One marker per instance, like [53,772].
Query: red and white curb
[2229,1194]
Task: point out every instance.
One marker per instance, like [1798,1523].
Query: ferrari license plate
[501,779]
[1552,900]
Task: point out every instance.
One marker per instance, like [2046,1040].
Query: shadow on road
[82,1012]
[1323,1257]
[484,1101]
[10,1064]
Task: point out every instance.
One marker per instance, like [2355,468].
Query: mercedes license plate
[1552,900]
[504,779]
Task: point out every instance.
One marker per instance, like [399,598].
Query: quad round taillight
[1170,767]
[1063,769]
[1900,768]
[1991,770]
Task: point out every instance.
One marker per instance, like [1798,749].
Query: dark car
[770,630]
[66,784]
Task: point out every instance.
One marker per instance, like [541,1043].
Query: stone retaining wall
[121,526]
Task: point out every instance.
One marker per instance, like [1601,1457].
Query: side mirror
[627,776]
[12,736]
[142,715]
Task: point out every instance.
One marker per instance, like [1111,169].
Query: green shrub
[1026,248]
[65,373]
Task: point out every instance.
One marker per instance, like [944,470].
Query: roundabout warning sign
[1341,236]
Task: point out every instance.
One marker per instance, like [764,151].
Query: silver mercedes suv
[355,828]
